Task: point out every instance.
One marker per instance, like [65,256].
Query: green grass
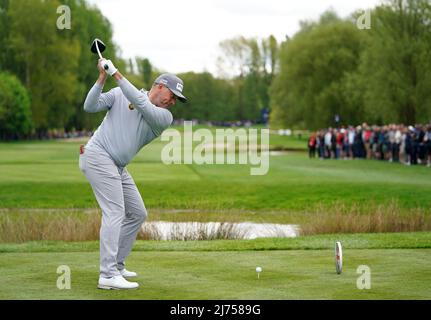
[300,268]
[46,175]
[37,176]
[404,240]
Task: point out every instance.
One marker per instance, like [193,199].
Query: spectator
[334,143]
[427,141]
[421,152]
[380,144]
[340,143]
[375,142]
[346,147]
[358,145]
[396,144]
[366,138]
[408,145]
[312,146]
[328,143]
[351,134]
[321,142]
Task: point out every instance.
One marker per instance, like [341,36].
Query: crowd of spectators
[394,143]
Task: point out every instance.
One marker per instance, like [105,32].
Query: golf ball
[258,269]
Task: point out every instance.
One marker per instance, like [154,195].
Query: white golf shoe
[128,274]
[116,283]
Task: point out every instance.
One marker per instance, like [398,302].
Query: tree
[270,55]
[15,112]
[89,23]
[235,57]
[251,64]
[56,66]
[4,32]
[145,69]
[47,61]
[208,98]
[314,66]
[396,65]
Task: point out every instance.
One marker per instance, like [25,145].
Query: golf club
[98,47]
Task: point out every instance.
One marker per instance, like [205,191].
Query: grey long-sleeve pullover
[124,131]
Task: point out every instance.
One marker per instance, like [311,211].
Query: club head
[100,45]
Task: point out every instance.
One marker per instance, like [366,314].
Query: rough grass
[83,225]
[26,226]
[383,218]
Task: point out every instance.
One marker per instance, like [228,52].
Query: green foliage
[208,98]
[89,23]
[56,66]
[314,69]
[48,61]
[329,67]
[251,64]
[4,31]
[145,69]
[376,75]
[397,63]
[15,113]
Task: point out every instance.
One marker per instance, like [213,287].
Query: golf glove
[109,67]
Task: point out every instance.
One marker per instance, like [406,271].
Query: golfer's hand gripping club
[108,66]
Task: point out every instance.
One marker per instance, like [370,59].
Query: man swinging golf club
[134,118]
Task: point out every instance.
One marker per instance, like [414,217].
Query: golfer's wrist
[117,75]
[102,78]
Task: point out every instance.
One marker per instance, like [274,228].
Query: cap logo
[180,87]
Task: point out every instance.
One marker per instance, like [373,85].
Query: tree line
[332,72]
[328,68]
[55,67]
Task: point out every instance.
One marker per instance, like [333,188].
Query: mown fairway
[36,176]
[46,175]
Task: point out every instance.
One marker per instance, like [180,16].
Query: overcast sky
[184,35]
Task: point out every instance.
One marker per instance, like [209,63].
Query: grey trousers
[123,210]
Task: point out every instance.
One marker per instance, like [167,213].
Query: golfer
[134,118]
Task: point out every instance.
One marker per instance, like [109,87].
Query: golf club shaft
[98,51]
[100,55]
